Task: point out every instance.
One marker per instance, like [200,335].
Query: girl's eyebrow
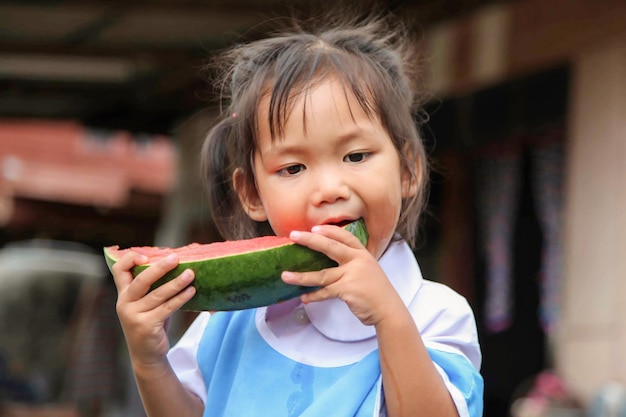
[356,133]
[279,148]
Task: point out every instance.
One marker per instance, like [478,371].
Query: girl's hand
[358,280]
[144,315]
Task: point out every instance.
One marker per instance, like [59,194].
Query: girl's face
[332,164]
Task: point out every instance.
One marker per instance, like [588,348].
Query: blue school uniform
[319,359]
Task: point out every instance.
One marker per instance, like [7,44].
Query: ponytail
[217,169]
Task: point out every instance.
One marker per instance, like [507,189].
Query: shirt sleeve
[183,357]
[448,328]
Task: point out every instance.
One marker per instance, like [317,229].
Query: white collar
[333,318]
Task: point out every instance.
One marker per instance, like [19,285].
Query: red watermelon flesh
[200,251]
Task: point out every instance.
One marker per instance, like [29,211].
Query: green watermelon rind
[251,279]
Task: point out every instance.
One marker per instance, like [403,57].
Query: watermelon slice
[240,274]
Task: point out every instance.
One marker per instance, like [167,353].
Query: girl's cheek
[286,222]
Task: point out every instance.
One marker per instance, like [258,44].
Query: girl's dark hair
[374,59]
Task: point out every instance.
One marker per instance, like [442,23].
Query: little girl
[318,132]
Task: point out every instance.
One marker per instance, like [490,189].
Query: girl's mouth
[341,223]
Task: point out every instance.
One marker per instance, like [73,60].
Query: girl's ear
[410,183]
[249,197]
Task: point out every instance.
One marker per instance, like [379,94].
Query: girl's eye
[292,169]
[356,157]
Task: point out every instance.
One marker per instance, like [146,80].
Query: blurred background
[103,109]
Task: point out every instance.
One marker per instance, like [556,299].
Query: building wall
[516,38]
[592,337]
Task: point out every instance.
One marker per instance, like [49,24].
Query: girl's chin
[377,248]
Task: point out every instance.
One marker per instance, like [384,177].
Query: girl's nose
[329,187]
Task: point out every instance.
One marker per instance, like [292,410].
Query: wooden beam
[509,40]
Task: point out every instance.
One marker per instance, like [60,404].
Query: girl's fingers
[323,293]
[177,301]
[335,242]
[121,269]
[143,281]
[171,293]
[339,234]
[321,278]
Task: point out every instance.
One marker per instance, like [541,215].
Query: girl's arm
[162,393]
[144,315]
[412,385]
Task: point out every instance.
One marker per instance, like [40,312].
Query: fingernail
[287,276]
[171,258]
[187,275]
[295,234]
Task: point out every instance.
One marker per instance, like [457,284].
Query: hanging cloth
[498,180]
[547,185]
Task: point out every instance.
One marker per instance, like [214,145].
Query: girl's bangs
[302,72]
